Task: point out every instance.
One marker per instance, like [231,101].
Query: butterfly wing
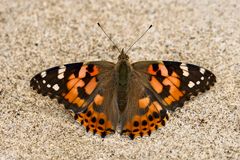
[154,88]
[176,82]
[85,90]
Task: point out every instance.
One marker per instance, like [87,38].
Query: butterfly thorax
[123,69]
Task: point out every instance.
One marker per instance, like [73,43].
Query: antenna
[108,37]
[138,39]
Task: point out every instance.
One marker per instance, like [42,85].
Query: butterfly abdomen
[123,74]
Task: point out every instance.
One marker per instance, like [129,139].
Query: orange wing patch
[174,80]
[78,101]
[72,76]
[169,100]
[160,78]
[174,74]
[83,71]
[174,91]
[143,103]
[163,69]
[157,86]
[98,100]
[83,81]
[91,86]
[151,70]
[72,94]
[75,83]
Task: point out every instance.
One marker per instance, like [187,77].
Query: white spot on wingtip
[191,84]
[185,73]
[61,76]
[202,70]
[48,85]
[56,87]
[202,78]
[62,69]
[198,82]
[43,74]
[185,69]
[43,81]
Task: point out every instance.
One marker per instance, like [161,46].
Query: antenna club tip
[150,26]
[98,23]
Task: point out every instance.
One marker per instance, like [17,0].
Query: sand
[36,35]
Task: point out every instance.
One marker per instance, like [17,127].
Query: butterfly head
[123,56]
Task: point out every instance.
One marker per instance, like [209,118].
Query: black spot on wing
[159,77]
[81,93]
[90,68]
[165,92]
[155,67]
[87,78]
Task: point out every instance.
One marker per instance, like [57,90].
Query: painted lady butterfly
[137,96]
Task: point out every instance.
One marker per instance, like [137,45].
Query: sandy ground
[35,35]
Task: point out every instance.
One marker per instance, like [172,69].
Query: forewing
[83,89]
[175,82]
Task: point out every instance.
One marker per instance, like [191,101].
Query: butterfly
[136,98]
